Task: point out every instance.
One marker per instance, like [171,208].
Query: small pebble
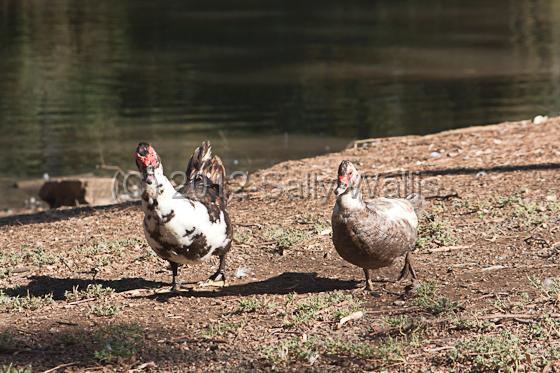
[243,272]
[548,283]
[540,119]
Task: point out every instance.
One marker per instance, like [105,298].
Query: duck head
[148,162]
[348,178]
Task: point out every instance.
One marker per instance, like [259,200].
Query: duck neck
[351,200]
[160,187]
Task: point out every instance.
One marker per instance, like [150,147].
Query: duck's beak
[341,186]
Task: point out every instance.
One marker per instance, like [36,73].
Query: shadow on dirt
[43,285]
[63,214]
[288,282]
[127,344]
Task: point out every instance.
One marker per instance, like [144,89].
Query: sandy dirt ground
[80,289]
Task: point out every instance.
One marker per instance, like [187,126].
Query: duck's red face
[147,161]
[347,176]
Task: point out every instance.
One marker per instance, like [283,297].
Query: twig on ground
[443,196]
[514,316]
[81,301]
[354,316]
[143,366]
[59,367]
[448,248]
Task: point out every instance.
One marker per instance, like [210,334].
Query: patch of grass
[389,350]
[318,223]
[354,349]
[529,212]
[37,256]
[473,325]
[290,298]
[220,329]
[427,297]
[40,257]
[11,368]
[10,259]
[549,288]
[105,310]
[392,350]
[28,302]
[402,323]
[118,342]
[546,328]
[350,306]
[286,238]
[500,352]
[293,350]
[113,247]
[435,230]
[312,308]
[243,237]
[508,303]
[249,304]
[96,291]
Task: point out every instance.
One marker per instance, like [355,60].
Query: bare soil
[487,259]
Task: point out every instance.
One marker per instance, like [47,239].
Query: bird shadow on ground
[43,285]
[53,215]
[288,282]
[285,283]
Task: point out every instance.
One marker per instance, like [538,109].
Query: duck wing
[377,238]
[392,210]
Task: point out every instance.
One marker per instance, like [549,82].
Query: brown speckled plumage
[372,234]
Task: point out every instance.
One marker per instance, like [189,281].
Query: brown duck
[372,234]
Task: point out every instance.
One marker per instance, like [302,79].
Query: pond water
[81,83]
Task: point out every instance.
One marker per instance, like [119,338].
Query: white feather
[399,209]
[189,216]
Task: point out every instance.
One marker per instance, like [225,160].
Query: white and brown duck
[190,224]
[372,234]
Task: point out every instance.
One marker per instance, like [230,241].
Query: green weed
[427,298]
[29,302]
[11,368]
[489,352]
[311,308]
[437,231]
[220,329]
[96,291]
[117,342]
[105,310]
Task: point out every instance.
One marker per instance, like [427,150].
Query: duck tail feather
[198,161]
[203,163]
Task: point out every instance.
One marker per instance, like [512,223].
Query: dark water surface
[81,82]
